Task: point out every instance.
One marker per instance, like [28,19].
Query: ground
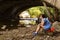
[25,33]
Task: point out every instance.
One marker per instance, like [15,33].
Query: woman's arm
[42,23]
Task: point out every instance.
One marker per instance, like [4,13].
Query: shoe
[35,33]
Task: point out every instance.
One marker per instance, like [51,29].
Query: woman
[44,24]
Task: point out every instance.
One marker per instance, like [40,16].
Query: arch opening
[30,15]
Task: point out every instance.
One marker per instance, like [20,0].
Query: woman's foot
[35,33]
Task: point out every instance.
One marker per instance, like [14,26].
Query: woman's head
[42,16]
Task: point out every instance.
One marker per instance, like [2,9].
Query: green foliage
[36,11]
[52,11]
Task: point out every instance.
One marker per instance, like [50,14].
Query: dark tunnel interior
[9,10]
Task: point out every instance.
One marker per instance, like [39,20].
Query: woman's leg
[38,28]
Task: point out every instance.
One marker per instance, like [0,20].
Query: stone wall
[54,2]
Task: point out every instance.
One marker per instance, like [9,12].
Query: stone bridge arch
[9,9]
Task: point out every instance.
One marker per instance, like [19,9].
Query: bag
[51,29]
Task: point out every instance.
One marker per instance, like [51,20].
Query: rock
[28,25]
[56,26]
[3,27]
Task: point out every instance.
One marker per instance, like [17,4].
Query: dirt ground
[25,33]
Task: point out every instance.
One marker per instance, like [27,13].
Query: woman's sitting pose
[45,24]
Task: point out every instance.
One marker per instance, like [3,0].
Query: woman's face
[40,17]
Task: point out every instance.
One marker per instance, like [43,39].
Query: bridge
[9,8]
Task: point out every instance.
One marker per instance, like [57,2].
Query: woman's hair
[43,15]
